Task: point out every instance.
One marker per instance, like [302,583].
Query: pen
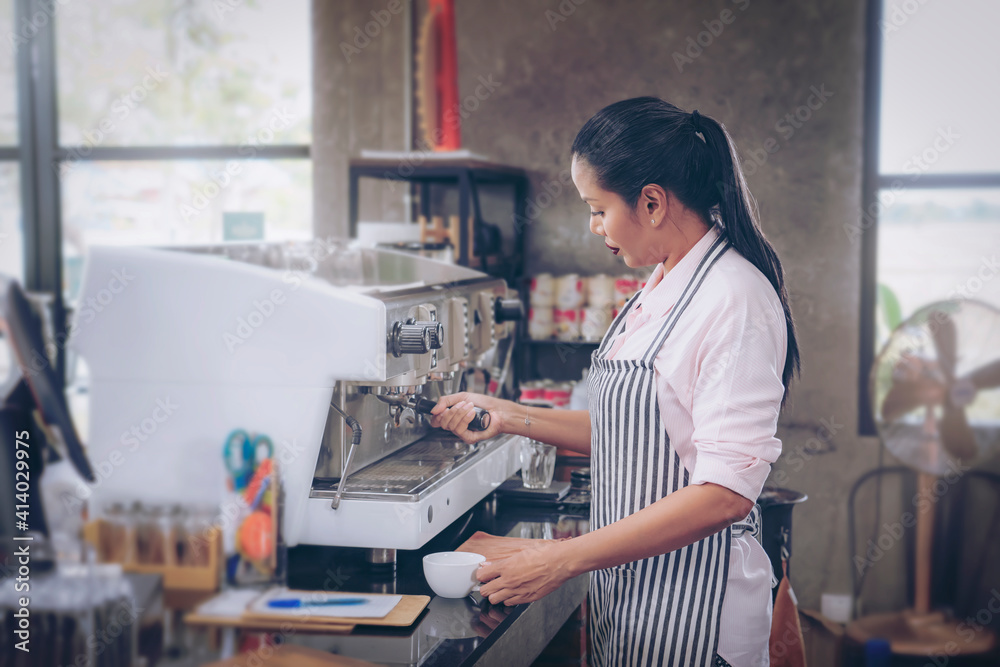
[294,603]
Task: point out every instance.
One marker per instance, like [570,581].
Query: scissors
[243,454]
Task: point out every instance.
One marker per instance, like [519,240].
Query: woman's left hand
[526,576]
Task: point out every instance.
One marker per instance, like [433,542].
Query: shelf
[465,173]
[555,341]
[421,166]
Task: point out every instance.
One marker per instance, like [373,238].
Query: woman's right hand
[454,412]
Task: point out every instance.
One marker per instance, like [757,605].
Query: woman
[685,391]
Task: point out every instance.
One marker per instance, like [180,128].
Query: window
[11,234]
[931,227]
[173,115]
[159,72]
[149,122]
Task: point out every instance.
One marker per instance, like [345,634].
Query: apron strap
[713,255]
[616,326]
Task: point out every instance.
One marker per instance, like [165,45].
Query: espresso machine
[334,352]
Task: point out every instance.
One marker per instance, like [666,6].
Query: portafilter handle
[480,422]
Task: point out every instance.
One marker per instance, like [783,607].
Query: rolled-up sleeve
[735,391]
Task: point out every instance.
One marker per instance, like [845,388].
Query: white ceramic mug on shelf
[543,290]
[569,291]
[600,291]
[594,322]
[541,325]
[567,323]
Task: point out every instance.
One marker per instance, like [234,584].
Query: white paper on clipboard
[375,606]
[232,602]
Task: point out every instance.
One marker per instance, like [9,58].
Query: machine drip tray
[408,473]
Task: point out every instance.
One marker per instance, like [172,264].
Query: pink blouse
[718,385]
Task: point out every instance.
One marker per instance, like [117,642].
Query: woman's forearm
[681,518]
[569,429]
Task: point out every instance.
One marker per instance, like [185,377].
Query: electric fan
[935,391]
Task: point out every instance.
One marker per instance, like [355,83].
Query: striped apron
[663,610]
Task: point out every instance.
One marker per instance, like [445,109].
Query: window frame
[40,157]
[872,182]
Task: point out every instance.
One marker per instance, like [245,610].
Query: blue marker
[295,603]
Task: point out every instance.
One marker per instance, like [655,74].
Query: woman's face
[623,230]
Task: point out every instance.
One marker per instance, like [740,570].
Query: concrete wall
[552,64]
[358,97]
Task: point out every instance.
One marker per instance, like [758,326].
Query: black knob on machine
[507,310]
[409,338]
[436,331]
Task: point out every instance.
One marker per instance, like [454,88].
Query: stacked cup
[571,308]
[546,393]
[569,298]
[540,313]
[596,317]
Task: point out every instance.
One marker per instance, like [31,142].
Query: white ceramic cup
[452,574]
[540,322]
[594,322]
[600,291]
[543,291]
[569,291]
[566,323]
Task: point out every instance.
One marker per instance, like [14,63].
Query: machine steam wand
[355,427]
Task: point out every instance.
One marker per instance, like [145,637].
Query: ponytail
[644,140]
[738,211]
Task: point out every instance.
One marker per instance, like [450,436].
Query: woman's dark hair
[642,141]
